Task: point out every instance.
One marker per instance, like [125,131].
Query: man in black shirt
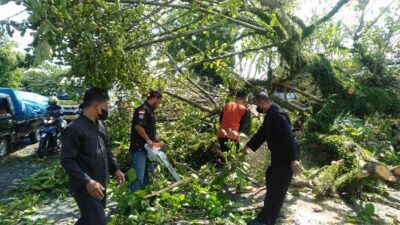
[143,132]
[277,131]
[88,160]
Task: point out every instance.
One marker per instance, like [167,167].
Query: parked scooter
[49,136]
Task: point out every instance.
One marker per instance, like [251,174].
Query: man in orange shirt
[233,120]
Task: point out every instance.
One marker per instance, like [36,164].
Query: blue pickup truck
[19,118]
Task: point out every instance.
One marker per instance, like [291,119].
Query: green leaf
[369,209]
[140,8]
[131,175]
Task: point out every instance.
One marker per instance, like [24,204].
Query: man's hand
[120,176]
[95,189]
[150,143]
[296,167]
[245,150]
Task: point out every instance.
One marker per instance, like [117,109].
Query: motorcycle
[49,136]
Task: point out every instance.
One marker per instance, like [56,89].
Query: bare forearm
[142,133]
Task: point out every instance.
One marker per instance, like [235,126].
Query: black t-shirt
[143,116]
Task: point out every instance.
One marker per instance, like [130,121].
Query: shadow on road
[20,164]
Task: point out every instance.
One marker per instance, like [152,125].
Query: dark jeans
[277,180]
[92,209]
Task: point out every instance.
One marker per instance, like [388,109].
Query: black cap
[154,93]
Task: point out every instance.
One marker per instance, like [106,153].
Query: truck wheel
[4,146]
[34,136]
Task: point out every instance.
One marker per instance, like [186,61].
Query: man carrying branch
[234,119]
[277,131]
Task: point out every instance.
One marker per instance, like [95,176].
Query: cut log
[378,170]
[362,174]
[360,168]
[384,172]
[396,171]
[372,167]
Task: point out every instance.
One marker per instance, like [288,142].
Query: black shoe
[255,222]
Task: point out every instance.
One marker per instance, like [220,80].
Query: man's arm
[258,138]
[142,133]
[283,129]
[112,162]
[69,152]
[113,165]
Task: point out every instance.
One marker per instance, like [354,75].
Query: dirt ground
[300,207]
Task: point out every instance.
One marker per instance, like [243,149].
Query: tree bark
[396,171]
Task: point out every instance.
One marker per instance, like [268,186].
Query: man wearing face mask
[87,158]
[277,131]
[143,132]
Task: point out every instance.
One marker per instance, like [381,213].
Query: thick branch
[208,96]
[182,27]
[183,40]
[299,22]
[287,105]
[334,10]
[145,17]
[169,37]
[358,35]
[299,91]
[190,102]
[237,53]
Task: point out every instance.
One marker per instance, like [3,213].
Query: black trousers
[92,209]
[278,179]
